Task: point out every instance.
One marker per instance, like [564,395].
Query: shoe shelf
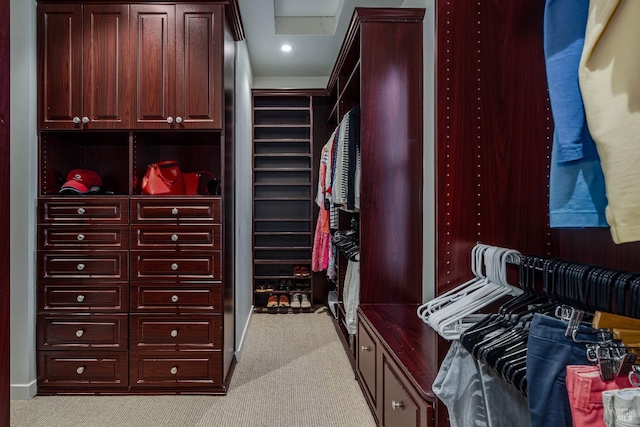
[282,201]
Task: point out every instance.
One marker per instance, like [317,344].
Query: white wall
[244,196]
[23,197]
[297,82]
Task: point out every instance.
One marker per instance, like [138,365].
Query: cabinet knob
[169,119]
[174,237]
[85,120]
[80,237]
[80,370]
[81,211]
[178,120]
[174,333]
[76,120]
[80,298]
[174,298]
[80,267]
[79,333]
[174,211]
[174,266]
[174,370]
[396,405]
[365,348]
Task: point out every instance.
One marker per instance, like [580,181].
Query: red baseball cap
[81,181]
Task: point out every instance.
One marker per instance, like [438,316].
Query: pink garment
[321,242]
[585,388]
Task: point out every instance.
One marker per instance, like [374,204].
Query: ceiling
[314,29]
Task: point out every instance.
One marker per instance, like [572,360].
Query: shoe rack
[282,201]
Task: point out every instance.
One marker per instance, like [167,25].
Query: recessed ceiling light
[286,47]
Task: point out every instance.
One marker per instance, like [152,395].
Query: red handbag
[197,182]
[163,178]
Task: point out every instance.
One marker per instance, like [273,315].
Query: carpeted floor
[293,373]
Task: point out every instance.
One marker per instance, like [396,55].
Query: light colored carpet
[293,373]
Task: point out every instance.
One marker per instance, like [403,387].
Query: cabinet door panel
[176,237]
[173,332]
[83,210]
[107,59]
[366,360]
[199,65]
[170,369]
[171,265]
[83,331]
[83,265]
[59,66]
[159,297]
[83,297]
[83,237]
[177,210]
[82,369]
[153,34]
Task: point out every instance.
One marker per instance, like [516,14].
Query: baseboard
[24,391]
[238,351]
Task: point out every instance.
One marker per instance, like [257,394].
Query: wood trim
[4,214]
[234,19]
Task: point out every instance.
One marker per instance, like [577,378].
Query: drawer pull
[80,267]
[396,405]
[80,298]
[365,348]
[80,237]
[174,298]
[174,266]
[79,333]
[174,237]
[80,370]
[174,211]
[174,333]
[81,211]
[174,370]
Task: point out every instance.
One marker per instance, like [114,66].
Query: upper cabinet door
[107,67]
[199,39]
[83,66]
[154,64]
[60,66]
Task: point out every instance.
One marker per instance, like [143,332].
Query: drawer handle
[80,298]
[396,405]
[81,267]
[81,211]
[174,211]
[174,298]
[365,348]
[80,370]
[174,370]
[174,237]
[80,237]
[79,333]
[174,266]
[174,333]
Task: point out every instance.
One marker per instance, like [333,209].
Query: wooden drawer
[111,265]
[175,209]
[401,406]
[83,237]
[173,265]
[175,368]
[366,360]
[93,331]
[83,297]
[82,369]
[172,331]
[155,297]
[83,210]
[176,237]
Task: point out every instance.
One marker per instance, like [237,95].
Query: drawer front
[176,331]
[171,298]
[366,360]
[171,265]
[83,265]
[175,209]
[82,331]
[171,369]
[83,210]
[399,409]
[83,237]
[176,237]
[83,297]
[83,369]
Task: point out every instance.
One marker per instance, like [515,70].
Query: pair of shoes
[272,301]
[300,301]
[300,271]
[305,303]
[283,301]
[295,301]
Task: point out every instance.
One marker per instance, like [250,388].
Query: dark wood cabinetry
[131,292]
